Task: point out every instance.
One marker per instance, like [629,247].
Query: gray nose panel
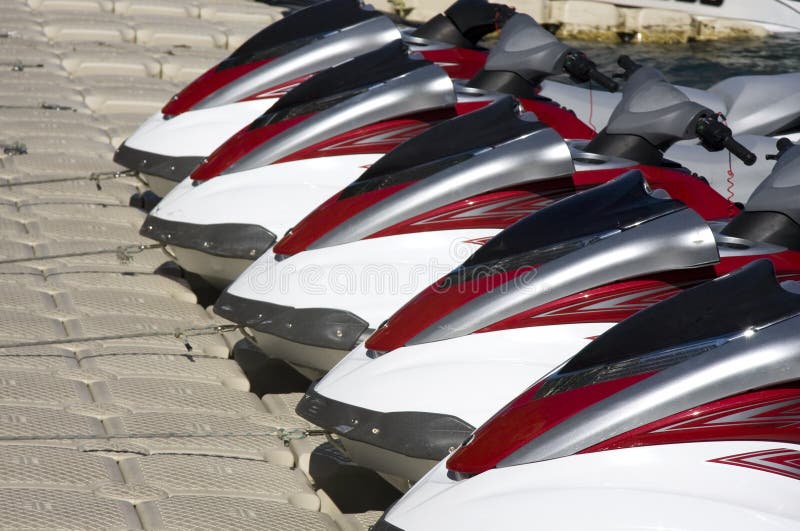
[653,109]
[527,49]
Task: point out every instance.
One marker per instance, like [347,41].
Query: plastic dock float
[120,405]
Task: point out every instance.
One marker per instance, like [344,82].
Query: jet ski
[667,421]
[527,301]
[369,249]
[233,93]
[767,105]
[320,137]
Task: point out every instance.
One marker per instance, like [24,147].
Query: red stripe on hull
[490,210]
[524,419]
[278,90]
[328,215]
[781,461]
[766,415]
[611,303]
[459,63]
[380,137]
[208,83]
[559,118]
[240,145]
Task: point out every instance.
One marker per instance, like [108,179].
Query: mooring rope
[97,177]
[180,333]
[125,254]
[284,434]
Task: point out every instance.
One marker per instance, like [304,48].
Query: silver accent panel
[586,161]
[328,51]
[730,246]
[419,44]
[540,155]
[422,89]
[767,357]
[676,241]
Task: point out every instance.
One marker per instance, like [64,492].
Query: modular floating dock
[119,405]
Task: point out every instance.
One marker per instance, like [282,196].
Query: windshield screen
[691,323]
[568,225]
[335,84]
[297,30]
[444,145]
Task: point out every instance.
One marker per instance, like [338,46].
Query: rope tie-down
[97,177]
[125,254]
[286,435]
[43,105]
[180,333]
[15,148]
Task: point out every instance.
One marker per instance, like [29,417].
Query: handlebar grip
[604,81]
[783,144]
[628,64]
[739,151]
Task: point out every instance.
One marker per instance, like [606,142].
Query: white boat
[777,16]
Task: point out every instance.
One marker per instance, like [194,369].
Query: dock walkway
[107,419]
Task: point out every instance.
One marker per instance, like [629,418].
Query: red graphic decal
[525,419]
[211,81]
[387,137]
[431,304]
[782,461]
[278,90]
[562,120]
[383,136]
[490,210]
[765,415]
[240,145]
[459,63]
[783,414]
[607,304]
[380,137]
[478,241]
[504,210]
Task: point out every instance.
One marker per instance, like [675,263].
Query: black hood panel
[337,83]
[567,225]
[750,297]
[444,145]
[298,29]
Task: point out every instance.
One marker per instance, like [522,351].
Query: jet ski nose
[228,240]
[171,168]
[409,435]
[224,159]
[304,328]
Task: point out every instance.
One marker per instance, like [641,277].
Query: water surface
[701,64]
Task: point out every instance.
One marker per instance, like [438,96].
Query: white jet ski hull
[620,489]
[275,197]
[192,134]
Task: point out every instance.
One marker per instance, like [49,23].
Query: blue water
[701,64]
